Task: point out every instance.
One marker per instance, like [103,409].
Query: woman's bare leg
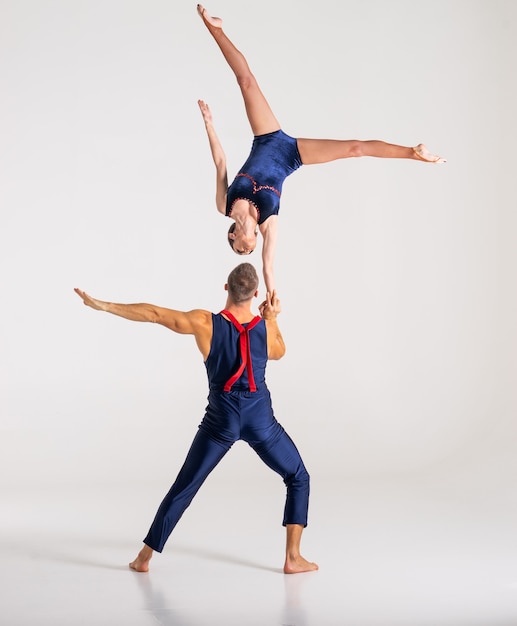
[324,150]
[259,112]
[294,561]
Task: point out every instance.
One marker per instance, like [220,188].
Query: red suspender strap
[244,342]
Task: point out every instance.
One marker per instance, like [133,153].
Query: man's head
[242,283]
[239,243]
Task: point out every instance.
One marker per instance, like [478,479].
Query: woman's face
[243,245]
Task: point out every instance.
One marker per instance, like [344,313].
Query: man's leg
[280,454]
[203,456]
[260,115]
[294,561]
[141,563]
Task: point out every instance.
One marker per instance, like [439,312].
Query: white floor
[391,552]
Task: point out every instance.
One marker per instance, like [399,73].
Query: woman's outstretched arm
[218,156]
[269,231]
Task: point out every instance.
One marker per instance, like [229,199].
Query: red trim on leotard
[244,342]
[247,200]
[256,187]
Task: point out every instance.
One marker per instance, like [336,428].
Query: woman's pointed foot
[216,22]
[423,154]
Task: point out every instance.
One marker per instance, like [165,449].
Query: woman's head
[242,283]
[240,243]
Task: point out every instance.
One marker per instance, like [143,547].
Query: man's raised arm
[269,309]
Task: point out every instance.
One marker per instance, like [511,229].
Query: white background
[397,278]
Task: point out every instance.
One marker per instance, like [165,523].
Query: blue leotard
[272,158]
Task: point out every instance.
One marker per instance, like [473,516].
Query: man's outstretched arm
[194,322]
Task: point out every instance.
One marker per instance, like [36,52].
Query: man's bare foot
[297,565]
[141,563]
[216,22]
[423,154]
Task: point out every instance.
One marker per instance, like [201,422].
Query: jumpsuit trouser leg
[230,417]
[280,454]
[202,458]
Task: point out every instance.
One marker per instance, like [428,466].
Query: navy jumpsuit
[239,408]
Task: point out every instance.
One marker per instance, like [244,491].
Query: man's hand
[270,308]
[98,305]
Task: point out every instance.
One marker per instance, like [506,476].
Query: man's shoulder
[200,316]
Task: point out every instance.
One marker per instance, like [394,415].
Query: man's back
[231,347]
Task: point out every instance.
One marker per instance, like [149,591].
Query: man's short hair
[243,282]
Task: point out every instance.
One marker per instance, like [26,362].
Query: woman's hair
[231,230]
[242,282]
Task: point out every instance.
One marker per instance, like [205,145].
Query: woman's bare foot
[423,154]
[216,22]
[297,565]
[141,563]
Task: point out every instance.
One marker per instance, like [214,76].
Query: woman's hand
[205,112]
[270,308]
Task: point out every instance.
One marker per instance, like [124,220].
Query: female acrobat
[253,198]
